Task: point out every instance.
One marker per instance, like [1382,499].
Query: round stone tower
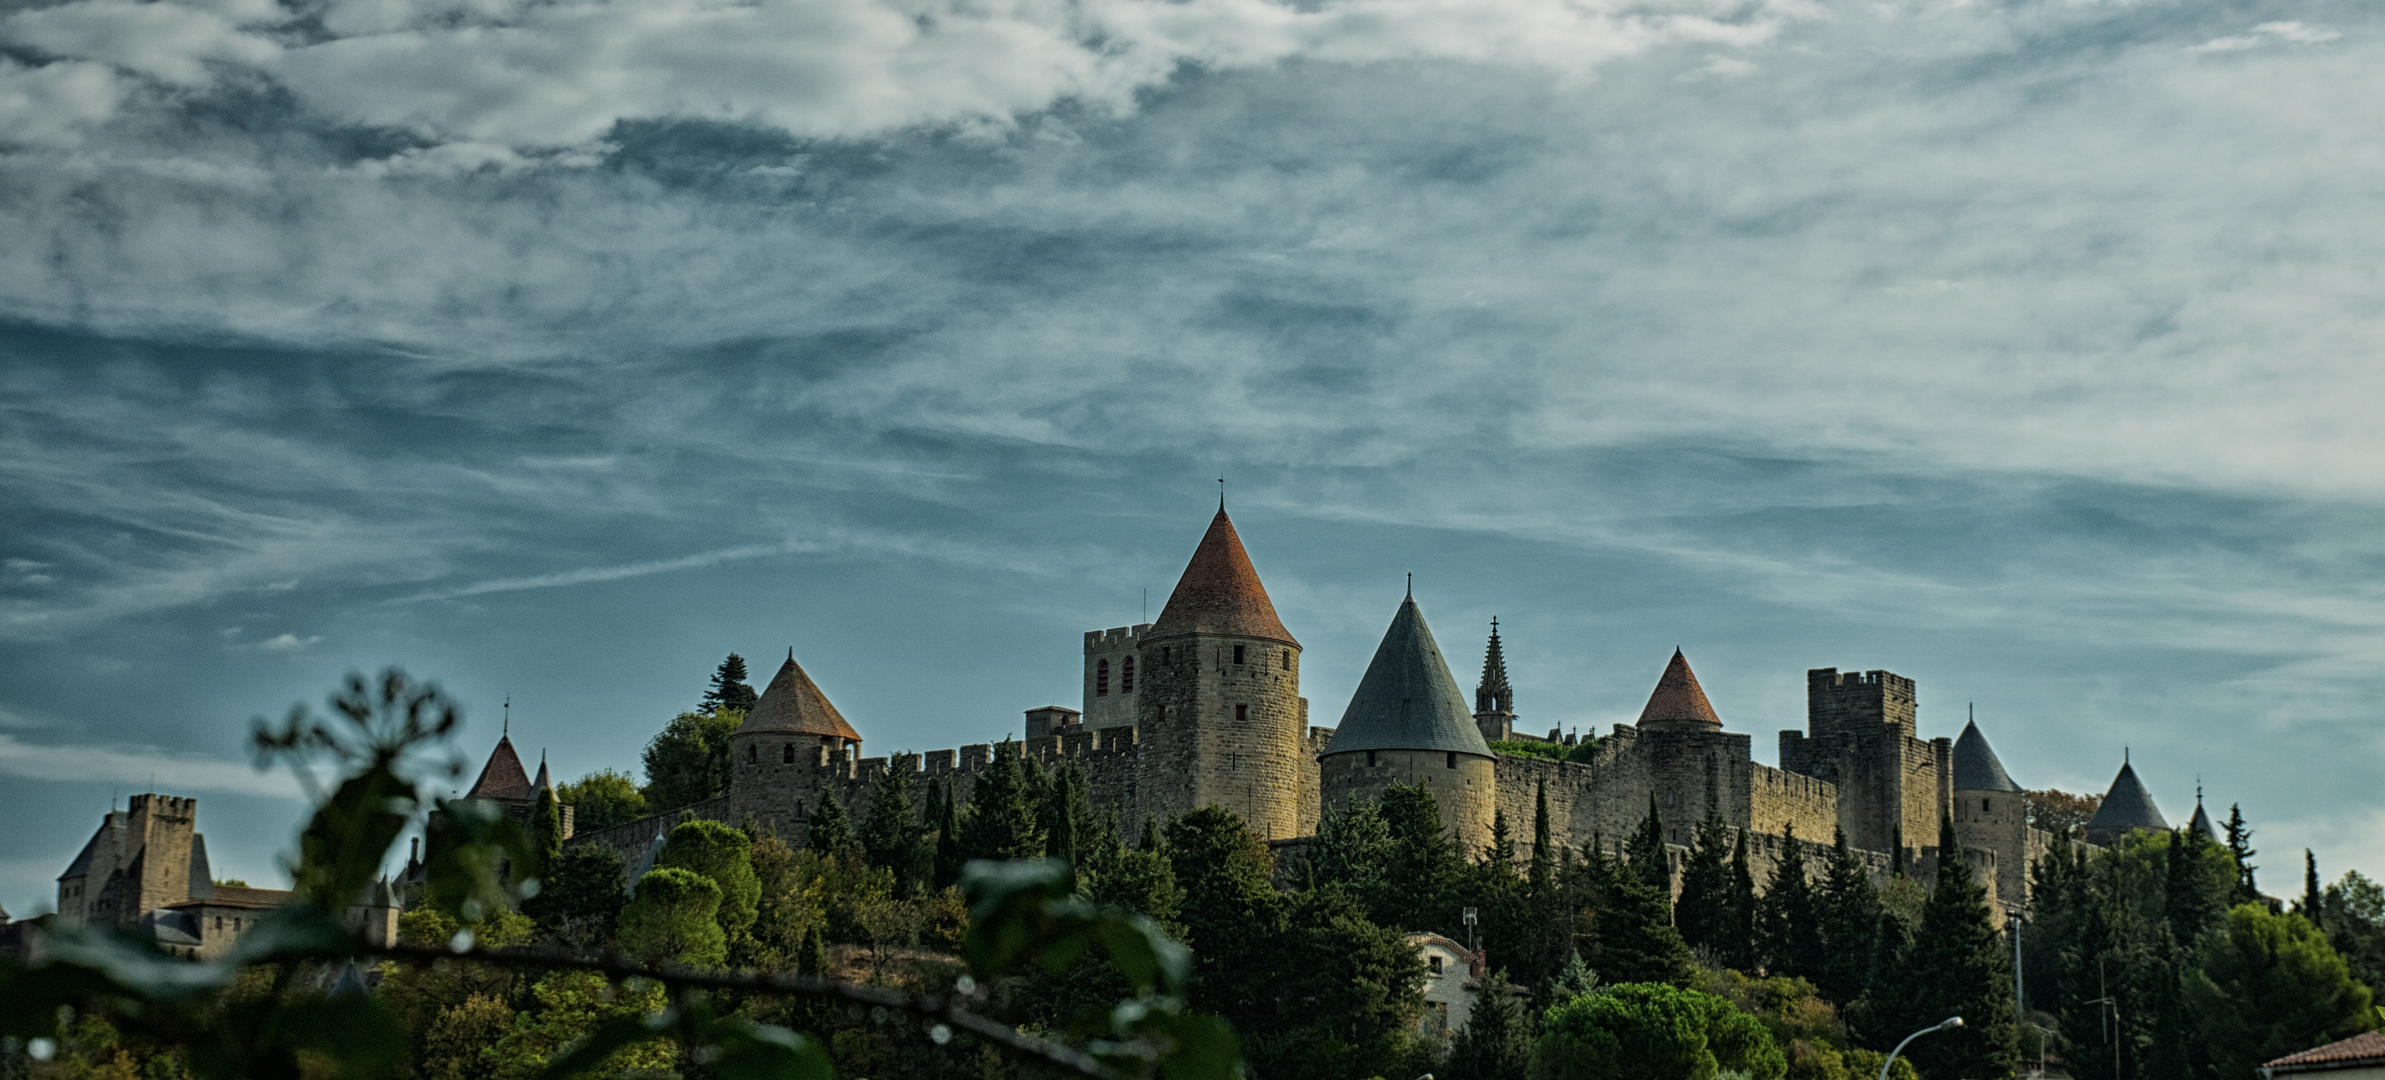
[1408,724]
[793,744]
[1991,811]
[1218,703]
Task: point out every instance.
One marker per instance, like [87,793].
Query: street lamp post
[1942,1025]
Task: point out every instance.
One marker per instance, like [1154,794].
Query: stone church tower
[1218,699]
[1494,699]
[1407,724]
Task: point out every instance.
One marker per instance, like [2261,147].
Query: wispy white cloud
[138,768]
[2269,33]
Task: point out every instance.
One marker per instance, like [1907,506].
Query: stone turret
[2201,822]
[2126,808]
[1678,701]
[1494,699]
[1218,699]
[792,744]
[1407,724]
[1991,812]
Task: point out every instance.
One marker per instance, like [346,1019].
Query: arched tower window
[1287,659]
[1126,675]
[1101,678]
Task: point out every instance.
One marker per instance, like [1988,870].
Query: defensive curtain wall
[1204,707]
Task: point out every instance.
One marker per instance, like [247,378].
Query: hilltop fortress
[1204,707]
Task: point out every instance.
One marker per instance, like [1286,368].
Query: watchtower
[1218,699]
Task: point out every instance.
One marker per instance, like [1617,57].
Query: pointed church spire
[1220,593]
[502,777]
[542,782]
[1678,699]
[1975,765]
[1493,695]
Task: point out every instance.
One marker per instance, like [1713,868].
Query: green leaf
[341,849]
[468,843]
[751,1051]
[609,1038]
[355,1032]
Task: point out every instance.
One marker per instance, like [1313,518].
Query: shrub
[1653,1031]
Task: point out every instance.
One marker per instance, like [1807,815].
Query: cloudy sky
[555,348]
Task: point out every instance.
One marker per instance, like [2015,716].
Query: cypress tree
[1787,919]
[1424,866]
[546,825]
[1703,913]
[1957,966]
[1850,925]
[1068,812]
[1740,949]
[1501,851]
[2241,850]
[2311,908]
[831,831]
[1645,853]
[1005,809]
[1543,851]
[949,858]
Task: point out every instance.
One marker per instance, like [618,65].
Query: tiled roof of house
[1220,593]
[1407,699]
[1678,699]
[2366,1048]
[502,778]
[239,896]
[1975,764]
[793,702]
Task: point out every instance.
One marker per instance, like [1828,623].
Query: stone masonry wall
[1218,732]
[1116,706]
[1781,800]
[1462,784]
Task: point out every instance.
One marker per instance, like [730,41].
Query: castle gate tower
[1218,699]
[793,745]
[1407,724]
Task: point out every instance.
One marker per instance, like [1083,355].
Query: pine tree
[892,836]
[1497,1041]
[2241,850]
[1424,866]
[1849,917]
[1574,980]
[831,831]
[1005,809]
[1787,920]
[729,689]
[1957,966]
[1353,850]
[2193,900]
[1704,910]
[1632,925]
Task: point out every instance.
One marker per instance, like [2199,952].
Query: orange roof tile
[1220,593]
[1678,698]
[2366,1048]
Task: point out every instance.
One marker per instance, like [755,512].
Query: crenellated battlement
[1114,638]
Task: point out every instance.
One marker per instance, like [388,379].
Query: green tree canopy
[729,690]
[1344,993]
[1424,865]
[546,825]
[1353,850]
[1653,1031]
[1230,912]
[580,895]
[1497,1041]
[892,835]
[2269,985]
[688,761]
[1957,965]
[1704,914]
[830,831]
[723,856]
[675,919]
[1632,929]
[1788,918]
[601,800]
[1848,916]
[1005,809]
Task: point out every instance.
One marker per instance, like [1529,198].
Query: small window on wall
[1452,760]
[1101,678]
[1237,654]
[1287,654]
[1984,806]
[1167,654]
[750,753]
[1241,713]
[1370,759]
[786,753]
[1126,675]
[1435,961]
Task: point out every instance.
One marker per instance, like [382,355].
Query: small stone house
[2361,1057]
[1451,974]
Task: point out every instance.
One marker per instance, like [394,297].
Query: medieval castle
[1203,707]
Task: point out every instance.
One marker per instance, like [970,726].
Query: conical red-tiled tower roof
[1220,593]
[1678,699]
[793,702]
[503,777]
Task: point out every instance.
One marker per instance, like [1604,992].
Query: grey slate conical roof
[1408,700]
[1975,764]
[2126,808]
[2202,820]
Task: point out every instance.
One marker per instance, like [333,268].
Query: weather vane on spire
[505,726]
